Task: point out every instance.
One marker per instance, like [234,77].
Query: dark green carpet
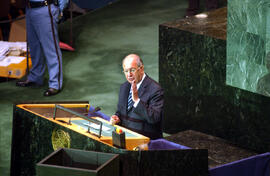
[93,72]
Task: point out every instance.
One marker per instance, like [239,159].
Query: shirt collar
[139,84]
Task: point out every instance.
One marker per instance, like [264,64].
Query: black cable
[27,57]
[70,32]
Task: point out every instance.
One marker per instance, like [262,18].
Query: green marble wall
[248,34]
[192,71]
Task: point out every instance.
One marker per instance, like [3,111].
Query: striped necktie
[130,101]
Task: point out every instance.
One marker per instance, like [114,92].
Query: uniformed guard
[43,42]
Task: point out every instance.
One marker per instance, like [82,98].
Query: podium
[40,128]
[71,162]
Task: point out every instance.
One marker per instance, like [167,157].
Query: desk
[80,125]
[13,62]
[36,134]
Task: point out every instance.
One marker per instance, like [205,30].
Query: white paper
[11,60]
[5,47]
[95,126]
[13,45]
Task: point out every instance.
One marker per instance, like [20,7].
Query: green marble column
[247,45]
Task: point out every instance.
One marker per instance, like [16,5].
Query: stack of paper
[6,61]
[3,51]
[5,47]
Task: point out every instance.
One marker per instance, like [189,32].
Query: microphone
[96,109]
[92,113]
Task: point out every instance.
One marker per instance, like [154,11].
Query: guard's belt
[36,4]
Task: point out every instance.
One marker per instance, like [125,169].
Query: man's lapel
[143,86]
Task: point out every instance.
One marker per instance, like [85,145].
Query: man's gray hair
[139,61]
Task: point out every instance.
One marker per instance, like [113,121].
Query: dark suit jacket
[146,118]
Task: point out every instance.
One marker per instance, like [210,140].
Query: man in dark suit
[140,104]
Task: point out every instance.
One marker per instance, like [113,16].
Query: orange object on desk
[119,130]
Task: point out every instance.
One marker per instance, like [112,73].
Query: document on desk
[11,60]
[13,45]
[3,51]
[95,126]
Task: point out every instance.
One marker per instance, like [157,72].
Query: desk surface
[213,24]
[220,151]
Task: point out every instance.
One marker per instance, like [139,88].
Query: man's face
[132,71]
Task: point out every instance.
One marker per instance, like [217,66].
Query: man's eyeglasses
[132,70]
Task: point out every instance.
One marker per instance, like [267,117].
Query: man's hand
[135,96]
[114,119]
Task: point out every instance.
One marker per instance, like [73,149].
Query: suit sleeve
[151,110]
[118,111]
